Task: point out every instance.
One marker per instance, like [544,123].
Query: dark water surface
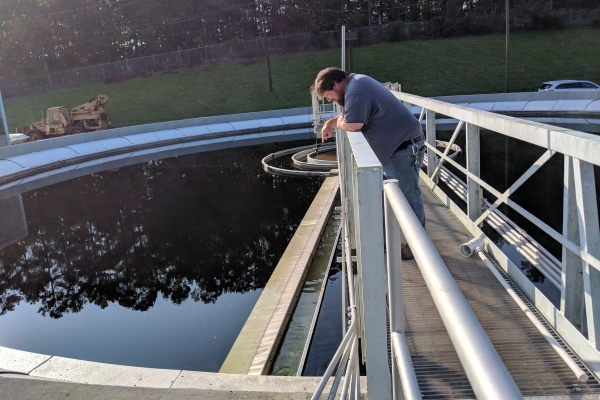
[156,265]
[288,359]
[328,330]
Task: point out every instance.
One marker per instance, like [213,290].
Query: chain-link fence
[167,62]
[234,50]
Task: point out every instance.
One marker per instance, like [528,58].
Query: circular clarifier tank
[156,264]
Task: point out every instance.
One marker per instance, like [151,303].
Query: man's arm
[348,127]
[338,122]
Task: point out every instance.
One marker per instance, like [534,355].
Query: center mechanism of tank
[312,160]
[317,160]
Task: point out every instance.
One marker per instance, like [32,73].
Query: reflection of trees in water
[194,226]
[499,240]
[531,272]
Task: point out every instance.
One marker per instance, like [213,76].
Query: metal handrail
[576,273]
[408,378]
[360,174]
[486,372]
[484,368]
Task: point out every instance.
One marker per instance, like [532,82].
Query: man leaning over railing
[393,132]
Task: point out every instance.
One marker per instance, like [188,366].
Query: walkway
[534,365]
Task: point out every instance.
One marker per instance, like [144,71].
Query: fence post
[75,76]
[474,197]
[103,75]
[571,293]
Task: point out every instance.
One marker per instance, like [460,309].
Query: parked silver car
[552,86]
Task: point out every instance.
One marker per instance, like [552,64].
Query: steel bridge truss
[577,274]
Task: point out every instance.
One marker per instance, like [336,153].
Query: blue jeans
[402,167]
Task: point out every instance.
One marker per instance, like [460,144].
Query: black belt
[409,142]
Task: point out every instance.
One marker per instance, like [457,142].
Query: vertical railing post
[432,158]
[339,142]
[3,123]
[368,216]
[589,237]
[349,188]
[393,247]
[571,293]
[474,195]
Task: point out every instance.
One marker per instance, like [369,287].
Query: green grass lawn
[465,65]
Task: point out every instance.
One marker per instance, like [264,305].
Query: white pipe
[410,386]
[467,249]
[349,336]
[475,245]
[459,188]
[525,245]
[349,370]
[357,377]
[340,371]
[546,267]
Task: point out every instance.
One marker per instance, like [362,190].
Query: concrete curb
[92,373]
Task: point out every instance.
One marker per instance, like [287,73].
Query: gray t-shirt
[387,121]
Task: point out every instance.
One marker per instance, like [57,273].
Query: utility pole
[351,36]
[46,66]
[187,47]
[266,42]
[507,37]
[343,47]
[369,18]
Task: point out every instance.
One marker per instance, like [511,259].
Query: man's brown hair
[326,78]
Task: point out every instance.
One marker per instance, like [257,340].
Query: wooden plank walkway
[534,365]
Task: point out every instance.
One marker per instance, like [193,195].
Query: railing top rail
[363,154]
[583,146]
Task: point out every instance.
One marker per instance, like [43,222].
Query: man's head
[331,84]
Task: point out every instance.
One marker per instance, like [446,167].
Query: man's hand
[328,127]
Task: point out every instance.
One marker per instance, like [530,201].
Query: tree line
[53,35]
[191,227]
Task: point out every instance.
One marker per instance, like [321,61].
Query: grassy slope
[426,67]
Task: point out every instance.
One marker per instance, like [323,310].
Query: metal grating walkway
[534,365]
